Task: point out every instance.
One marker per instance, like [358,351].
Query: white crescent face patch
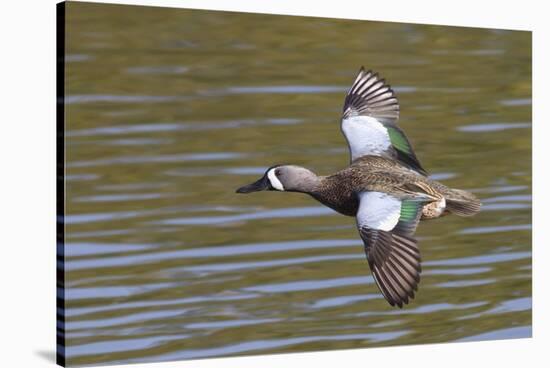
[275,183]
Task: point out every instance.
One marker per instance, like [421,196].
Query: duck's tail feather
[462,203]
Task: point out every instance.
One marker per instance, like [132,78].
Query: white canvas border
[28,183]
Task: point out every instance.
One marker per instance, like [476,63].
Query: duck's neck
[306,182]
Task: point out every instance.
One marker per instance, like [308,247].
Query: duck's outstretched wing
[387,225]
[369,121]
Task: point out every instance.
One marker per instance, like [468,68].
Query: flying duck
[385,187]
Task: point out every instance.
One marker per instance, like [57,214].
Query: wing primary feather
[408,272]
[406,284]
[384,284]
[397,286]
[382,288]
[365,95]
[395,264]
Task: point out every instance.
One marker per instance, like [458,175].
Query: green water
[168,111]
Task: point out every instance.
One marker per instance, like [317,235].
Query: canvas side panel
[60,181]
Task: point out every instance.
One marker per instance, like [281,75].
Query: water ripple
[343,300]
[229,323]
[74,293]
[491,127]
[424,309]
[92,98]
[128,306]
[507,306]
[251,346]
[507,333]
[183,157]
[86,249]
[260,215]
[219,251]
[465,283]
[120,345]
[495,229]
[310,284]
[225,267]
[122,320]
[161,69]
[158,127]
[516,102]
[488,258]
[121,197]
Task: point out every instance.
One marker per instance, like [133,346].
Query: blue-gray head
[283,178]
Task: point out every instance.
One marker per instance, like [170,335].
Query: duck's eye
[278,172]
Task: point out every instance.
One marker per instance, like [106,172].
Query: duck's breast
[337,193]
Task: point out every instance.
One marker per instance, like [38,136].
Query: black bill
[262,184]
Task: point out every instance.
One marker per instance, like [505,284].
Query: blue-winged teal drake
[384,187]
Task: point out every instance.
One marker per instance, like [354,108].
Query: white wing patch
[275,183]
[378,211]
[365,136]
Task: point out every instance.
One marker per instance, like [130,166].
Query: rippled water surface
[168,111]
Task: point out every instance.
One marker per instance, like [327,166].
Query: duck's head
[283,178]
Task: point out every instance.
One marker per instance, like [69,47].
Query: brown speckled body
[373,173]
